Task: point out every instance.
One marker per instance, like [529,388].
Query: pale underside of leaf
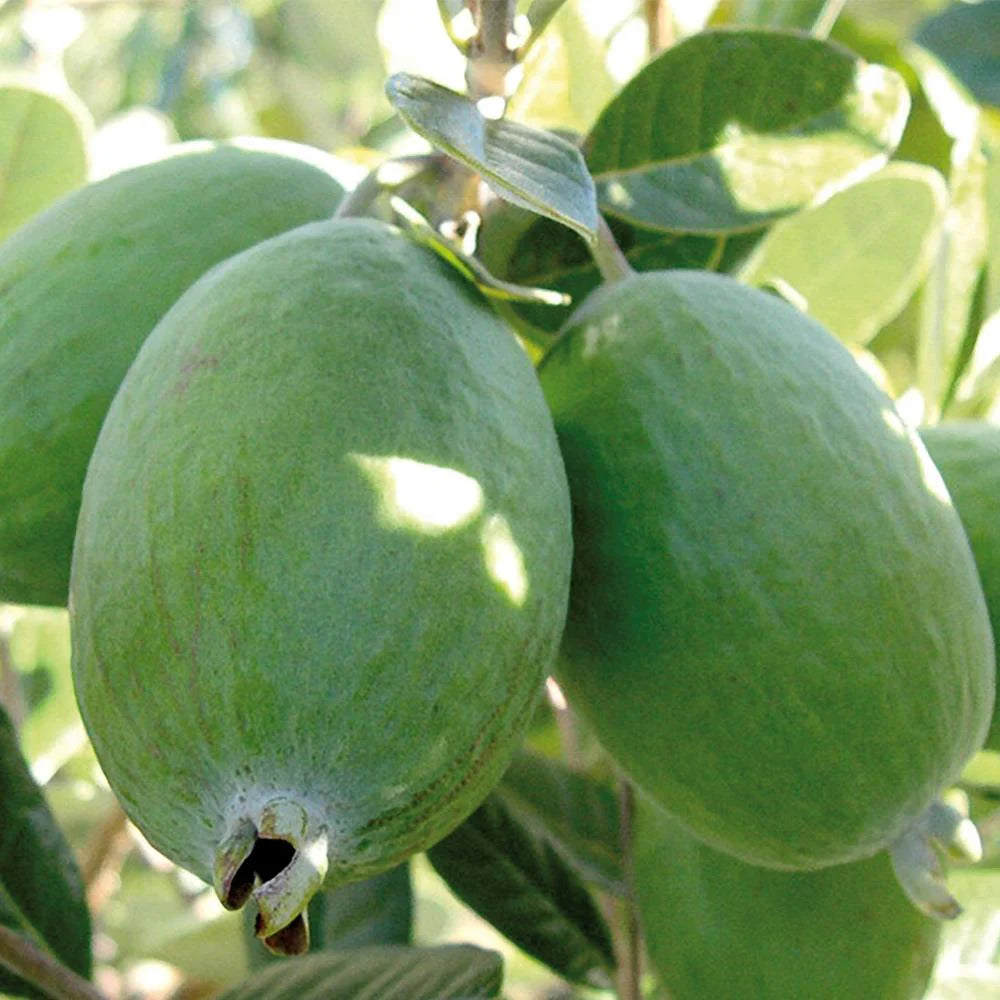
[446,972]
[528,167]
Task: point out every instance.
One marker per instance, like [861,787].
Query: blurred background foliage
[144,73]
[306,70]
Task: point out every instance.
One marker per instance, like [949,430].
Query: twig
[388,176]
[629,963]
[566,724]
[25,959]
[827,17]
[490,55]
[104,855]
[659,29]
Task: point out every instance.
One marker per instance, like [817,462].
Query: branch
[629,969]
[826,18]
[25,959]
[104,856]
[490,56]
[659,26]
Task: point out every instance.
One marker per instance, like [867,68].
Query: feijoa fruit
[82,285]
[716,927]
[775,622]
[321,567]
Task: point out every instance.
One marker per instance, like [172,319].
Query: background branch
[490,56]
[24,958]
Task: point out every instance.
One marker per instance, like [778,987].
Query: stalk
[25,959]
[659,29]
[608,257]
[629,935]
[490,56]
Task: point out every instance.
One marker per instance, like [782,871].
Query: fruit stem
[25,959]
[608,257]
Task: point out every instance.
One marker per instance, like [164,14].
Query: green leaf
[566,80]
[387,972]
[948,297]
[576,812]
[469,267]
[992,184]
[816,16]
[43,152]
[449,11]
[526,250]
[528,167]
[982,773]
[966,38]
[519,882]
[732,129]
[403,190]
[924,140]
[975,326]
[539,14]
[377,910]
[41,894]
[855,260]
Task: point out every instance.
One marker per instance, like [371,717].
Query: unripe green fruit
[321,567]
[967,454]
[716,927]
[775,623]
[81,286]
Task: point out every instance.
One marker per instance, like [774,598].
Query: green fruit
[321,567]
[716,927]
[81,286]
[967,454]
[775,624]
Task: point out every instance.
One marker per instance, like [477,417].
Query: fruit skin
[82,285]
[323,557]
[967,454]
[716,927]
[775,624]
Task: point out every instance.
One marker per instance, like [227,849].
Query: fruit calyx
[277,856]
[917,858]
